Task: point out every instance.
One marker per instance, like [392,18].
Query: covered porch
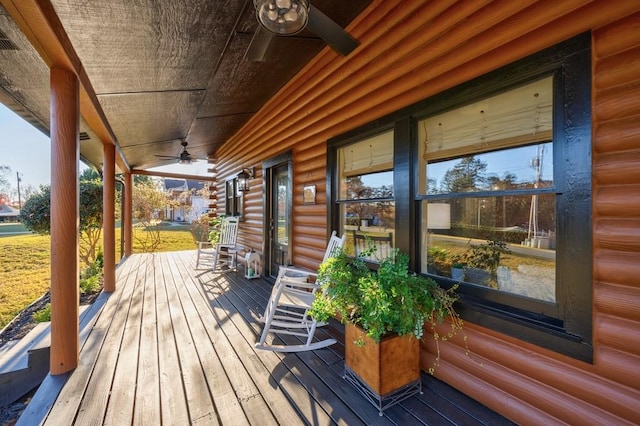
[175,345]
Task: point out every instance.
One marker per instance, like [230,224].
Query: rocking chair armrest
[298,270]
[204,245]
[296,284]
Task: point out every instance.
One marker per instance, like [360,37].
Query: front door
[278,217]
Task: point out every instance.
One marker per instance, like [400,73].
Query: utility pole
[19,200]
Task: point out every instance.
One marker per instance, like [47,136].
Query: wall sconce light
[243,178]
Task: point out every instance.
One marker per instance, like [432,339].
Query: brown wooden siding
[616,236]
[413,50]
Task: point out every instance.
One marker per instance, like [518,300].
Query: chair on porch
[291,298]
[223,252]
[372,247]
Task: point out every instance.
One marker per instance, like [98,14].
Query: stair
[24,363]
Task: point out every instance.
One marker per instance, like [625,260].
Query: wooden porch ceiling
[175,346]
[161,70]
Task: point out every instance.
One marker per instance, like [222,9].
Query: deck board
[177,346]
[147,403]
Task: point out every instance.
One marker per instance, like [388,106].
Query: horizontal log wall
[413,50]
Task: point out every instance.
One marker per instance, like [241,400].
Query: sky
[28,151]
[25,149]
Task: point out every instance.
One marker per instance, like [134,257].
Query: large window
[488,186]
[490,210]
[365,196]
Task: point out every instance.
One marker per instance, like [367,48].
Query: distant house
[191,203]
[8,213]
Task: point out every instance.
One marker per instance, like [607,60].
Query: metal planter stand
[382,402]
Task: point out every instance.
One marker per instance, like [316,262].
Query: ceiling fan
[289,17]
[183,158]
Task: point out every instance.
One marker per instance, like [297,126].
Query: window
[233,200]
[491,197]
[504,198]
[365,196]
[500,165]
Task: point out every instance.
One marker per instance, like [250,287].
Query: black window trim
[235,207]
[569,331]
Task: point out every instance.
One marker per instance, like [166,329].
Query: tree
[90,174]
[466,175]
[149,205]
[4,179]
[90,219]
[141,179]
[36,216]
[5,187]
[27,190]
[36,211]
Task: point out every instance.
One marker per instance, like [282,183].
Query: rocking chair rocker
[287,308]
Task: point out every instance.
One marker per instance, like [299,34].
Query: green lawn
[7,229]
[25,264]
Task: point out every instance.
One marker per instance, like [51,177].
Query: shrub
[43,315]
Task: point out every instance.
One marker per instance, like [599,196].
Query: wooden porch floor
[175,346]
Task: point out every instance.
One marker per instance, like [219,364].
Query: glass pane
[507,243]
[282,200]
[514,168]
[365,168]
[369,224]
[373,185]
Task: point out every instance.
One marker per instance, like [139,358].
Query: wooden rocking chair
[287,309]
[223,252]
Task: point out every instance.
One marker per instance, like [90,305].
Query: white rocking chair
[287,308]
[222,253]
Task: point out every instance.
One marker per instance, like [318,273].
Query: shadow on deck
[176,346]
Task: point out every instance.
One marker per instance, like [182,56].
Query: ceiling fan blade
[335,36]
[168,157]
[258,45]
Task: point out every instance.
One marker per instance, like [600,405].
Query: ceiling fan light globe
[285,17]
[291,16]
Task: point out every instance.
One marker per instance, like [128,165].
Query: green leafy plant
[214,226]
[90,284]
[90,277]
[487,255]
[43,315]
[389,300]
[438,259]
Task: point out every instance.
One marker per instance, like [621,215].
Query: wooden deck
[173,347]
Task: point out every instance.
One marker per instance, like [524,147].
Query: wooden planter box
[389,371]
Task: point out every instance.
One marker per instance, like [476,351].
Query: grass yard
[25,269]
[12,228]
[25,273]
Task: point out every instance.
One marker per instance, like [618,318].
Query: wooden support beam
[173,175]
[65,158]
[127,214]
[108,218]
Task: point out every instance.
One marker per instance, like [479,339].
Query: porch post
[108,217]
[127,213]
[65,155]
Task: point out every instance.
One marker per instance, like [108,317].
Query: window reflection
[523,167]
[491,242]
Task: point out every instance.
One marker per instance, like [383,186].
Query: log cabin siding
[616,103]
[413,50]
